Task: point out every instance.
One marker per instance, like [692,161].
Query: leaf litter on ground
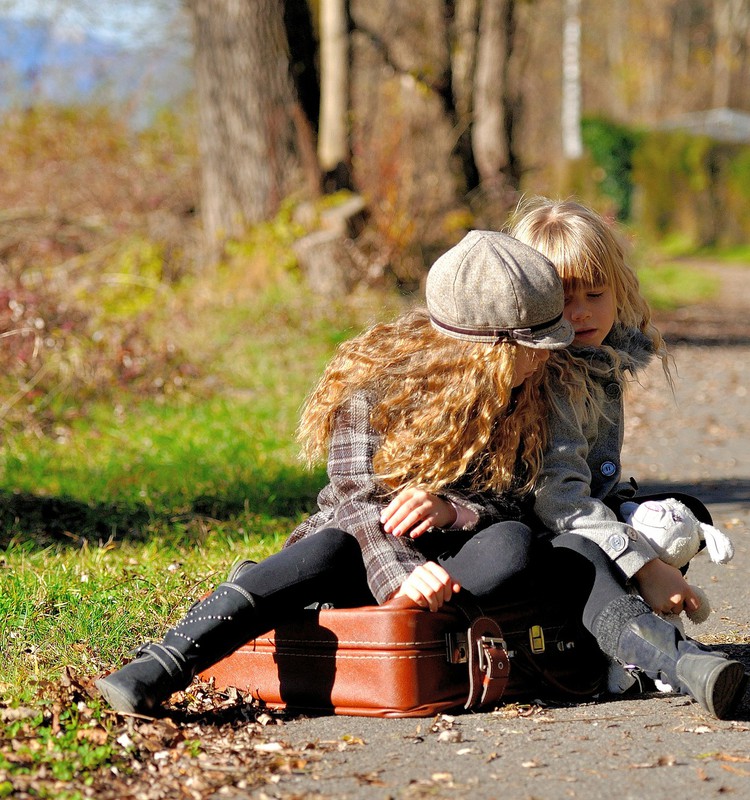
[205,741]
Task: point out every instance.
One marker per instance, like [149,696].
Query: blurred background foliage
[113,294]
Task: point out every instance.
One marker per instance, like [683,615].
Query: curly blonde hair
[446,410]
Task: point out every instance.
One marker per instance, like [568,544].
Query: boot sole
[729,683]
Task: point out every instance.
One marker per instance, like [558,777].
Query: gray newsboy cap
[490,287]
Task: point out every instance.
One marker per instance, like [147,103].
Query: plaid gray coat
[353,499]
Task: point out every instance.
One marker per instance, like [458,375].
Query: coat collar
[627,348]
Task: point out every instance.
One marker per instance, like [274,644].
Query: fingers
[429,586]
[405,510]
[665,589]
[413,512]
[691,602]
[683,601]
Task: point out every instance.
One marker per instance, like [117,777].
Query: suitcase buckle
[485,645]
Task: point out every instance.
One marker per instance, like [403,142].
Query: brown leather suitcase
[399,661]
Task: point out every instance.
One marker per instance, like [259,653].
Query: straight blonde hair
[587,251]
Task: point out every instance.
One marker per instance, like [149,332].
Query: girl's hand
[665,589]
[429,586]
[414,511]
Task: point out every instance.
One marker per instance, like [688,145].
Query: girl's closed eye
[591,311]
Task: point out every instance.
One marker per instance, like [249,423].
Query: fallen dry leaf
[736,770]
[662,761]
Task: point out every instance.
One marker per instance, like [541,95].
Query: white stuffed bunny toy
[676,535]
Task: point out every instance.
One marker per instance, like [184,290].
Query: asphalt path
[644,746]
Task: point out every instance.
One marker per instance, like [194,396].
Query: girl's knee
[512,539]
[333,543]
[579,544]
[503,551]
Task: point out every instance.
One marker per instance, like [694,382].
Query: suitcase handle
[464,602]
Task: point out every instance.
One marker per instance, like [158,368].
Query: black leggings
[327,567]
[583,574]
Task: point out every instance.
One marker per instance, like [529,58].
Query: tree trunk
[463,48]
[497,97]
[490,147]
[730,28]
[246,107]
[571,87]
[333,139]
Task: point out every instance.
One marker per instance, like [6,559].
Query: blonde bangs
[586,250]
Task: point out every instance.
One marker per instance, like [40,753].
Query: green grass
[669,286]
[110,526]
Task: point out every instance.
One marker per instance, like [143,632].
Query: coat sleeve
[563,500]
[486,508]
[359,499]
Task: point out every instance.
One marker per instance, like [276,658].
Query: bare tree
[497,94]
[571,82]
[333,136]
[249,116]
[731,24]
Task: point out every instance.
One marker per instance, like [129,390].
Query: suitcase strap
[489,667]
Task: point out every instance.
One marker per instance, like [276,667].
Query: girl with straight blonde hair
[579,494]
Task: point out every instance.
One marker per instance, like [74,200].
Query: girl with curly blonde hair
[579,494]
[441,408]
[434,428]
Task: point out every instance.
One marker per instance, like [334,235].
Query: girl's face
[591,311]
[528,361]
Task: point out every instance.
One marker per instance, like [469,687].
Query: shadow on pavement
[703,326]
[710,492]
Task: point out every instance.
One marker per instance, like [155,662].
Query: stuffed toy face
[675,532]
[670,527]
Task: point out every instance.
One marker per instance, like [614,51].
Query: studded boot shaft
[210,630]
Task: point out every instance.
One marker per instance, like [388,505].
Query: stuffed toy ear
[702,614]
[719,546]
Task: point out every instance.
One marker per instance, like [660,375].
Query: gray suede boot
[212,628]
[631,632]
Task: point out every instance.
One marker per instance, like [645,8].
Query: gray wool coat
[582,461]
[353,499]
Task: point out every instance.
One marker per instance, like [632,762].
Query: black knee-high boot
[212,629]
[628,630]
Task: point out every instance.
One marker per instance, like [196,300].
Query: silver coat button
[617,542]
